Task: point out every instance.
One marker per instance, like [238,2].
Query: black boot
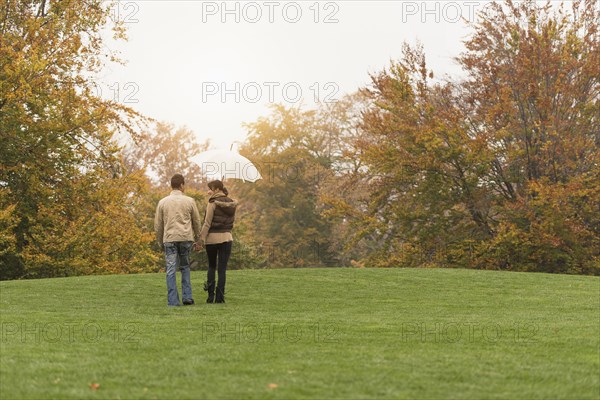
[220,295]
[210,288]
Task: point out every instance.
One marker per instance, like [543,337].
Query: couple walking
[178,230]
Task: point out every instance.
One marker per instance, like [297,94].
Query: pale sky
[191,63]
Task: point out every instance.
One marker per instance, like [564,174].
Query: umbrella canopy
[223,164]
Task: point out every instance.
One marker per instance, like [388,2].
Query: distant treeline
[499,170]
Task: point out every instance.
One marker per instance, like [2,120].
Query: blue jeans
[174,252]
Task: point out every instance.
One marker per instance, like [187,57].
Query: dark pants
[218,255]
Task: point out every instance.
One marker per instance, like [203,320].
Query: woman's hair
[218,185]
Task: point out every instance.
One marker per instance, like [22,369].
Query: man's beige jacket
[177,219]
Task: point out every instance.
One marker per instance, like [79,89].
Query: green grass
[315,333]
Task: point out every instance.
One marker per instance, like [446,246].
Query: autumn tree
[532,95]
[423,187]
[62,186]
[290,148]
[165,151]
[497,171]
[344,195]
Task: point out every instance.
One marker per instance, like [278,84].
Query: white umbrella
[223,164]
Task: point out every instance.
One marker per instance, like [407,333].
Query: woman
[216,237]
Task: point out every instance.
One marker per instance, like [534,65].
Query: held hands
[198,245]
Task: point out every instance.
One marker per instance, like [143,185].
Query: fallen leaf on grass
[94,386]
[272,386]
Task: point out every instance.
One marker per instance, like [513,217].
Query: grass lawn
[305,333]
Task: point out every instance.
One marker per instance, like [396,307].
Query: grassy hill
[305,333]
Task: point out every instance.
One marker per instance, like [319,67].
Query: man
[177,226]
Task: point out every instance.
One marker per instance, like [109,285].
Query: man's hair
[176,181]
